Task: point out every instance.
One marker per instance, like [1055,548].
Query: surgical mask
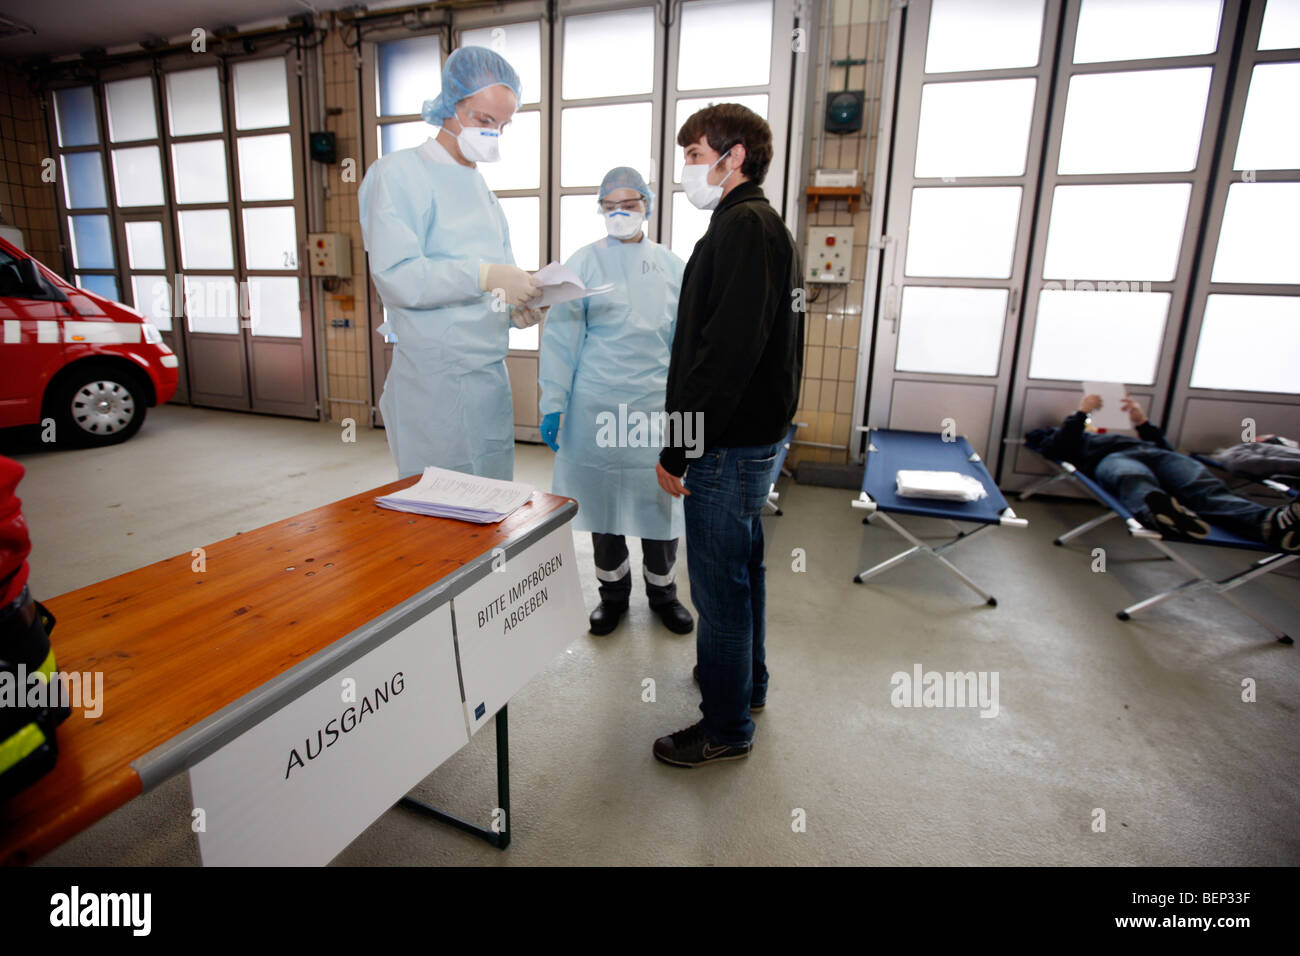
[479,145]
[622,224]
[695,181]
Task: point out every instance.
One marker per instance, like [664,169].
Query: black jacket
[1085,449]
[738,351]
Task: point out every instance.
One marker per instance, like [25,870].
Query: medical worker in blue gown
[440,257]
[601,353]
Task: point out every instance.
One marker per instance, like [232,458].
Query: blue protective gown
[428,224]
[602,352]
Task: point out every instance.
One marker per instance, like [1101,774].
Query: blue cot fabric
[898,450]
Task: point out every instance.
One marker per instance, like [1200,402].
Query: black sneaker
[1171,517]
[754,705]
[690,748]
[1282,527]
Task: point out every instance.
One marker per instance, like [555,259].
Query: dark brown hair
[724,125]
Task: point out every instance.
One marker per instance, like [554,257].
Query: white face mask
[479,144]
[695,181]
[623,225]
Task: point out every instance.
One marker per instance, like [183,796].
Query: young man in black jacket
[1164,490]
[735,370]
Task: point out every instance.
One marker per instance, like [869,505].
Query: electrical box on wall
[329,254]
[829,258]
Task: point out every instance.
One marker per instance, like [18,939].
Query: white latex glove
[523,317]
[516,286]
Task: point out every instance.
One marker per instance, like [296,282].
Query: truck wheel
[98,406]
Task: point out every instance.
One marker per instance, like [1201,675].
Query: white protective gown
[602,352]
[428,223]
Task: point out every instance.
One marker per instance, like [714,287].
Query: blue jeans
[1133,473]
[724,541]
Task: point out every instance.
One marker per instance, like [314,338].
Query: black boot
[606,616]
[675,617]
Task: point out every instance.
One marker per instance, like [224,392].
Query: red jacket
[15,544]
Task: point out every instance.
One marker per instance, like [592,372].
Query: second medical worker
[440,256]
[600,353]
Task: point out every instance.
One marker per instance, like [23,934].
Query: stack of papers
[561,285]
[451,494]
[944,485]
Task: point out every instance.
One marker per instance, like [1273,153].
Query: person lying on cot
[1164,490]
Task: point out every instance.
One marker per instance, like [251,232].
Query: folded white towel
[945,485]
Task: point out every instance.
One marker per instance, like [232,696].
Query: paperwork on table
[560,285]
[451,494]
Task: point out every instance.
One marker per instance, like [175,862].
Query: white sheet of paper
[455,494]
[1111,416]
[561,285]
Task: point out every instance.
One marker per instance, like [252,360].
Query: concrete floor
[1142,719]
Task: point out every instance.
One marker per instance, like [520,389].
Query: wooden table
[191,659]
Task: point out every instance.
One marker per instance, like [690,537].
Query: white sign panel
[511,624]
[301,785]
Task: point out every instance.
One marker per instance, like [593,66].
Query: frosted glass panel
[965,231]
[755,101]
[212,303]
[689,224]
[395,136]
[580,224]
[725,43]
[410,72]
[273,306]
[1140,122]
[1281,27]
[137,176]
[521,155]
[609,54]
[205,239]
[131,110]
[194,102]
[92,243]
[1122,232]
[522,216]
[1142,29]
[1270,129]
[1228,353]
[265,167]
[100,285]
[975,129]
[988,35]
[83,181]
[521,45]
[144,245]
[952,331]
[261,94]
[152,296]
[1099,336]
[270,238]
[595,139]
[74,110]
[1259,241]
[200,170]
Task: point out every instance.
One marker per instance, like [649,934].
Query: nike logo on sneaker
[711,751]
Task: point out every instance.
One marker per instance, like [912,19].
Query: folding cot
[1270,561]
[888,451]
[773,496]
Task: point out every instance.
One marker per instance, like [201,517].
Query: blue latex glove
[551,430]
